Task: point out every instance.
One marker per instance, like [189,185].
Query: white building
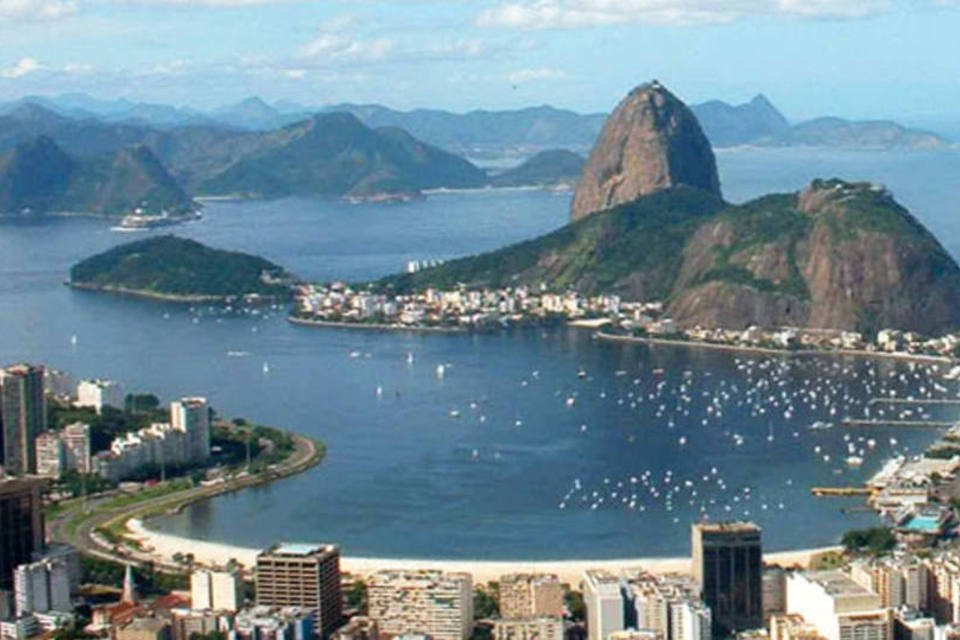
[837,606]
[604,603]
[192,416]
[42,586]
[542,628]
[215,590]
[96,394]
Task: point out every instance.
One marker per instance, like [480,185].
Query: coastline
[693,344]
[375,326]
[159,297]
[164,545]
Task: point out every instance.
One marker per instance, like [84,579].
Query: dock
[914,401]
[840,492]
[918,424]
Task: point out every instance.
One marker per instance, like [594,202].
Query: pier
[918,424]
[914,401]
[840,492]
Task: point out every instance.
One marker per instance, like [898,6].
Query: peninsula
[176,269]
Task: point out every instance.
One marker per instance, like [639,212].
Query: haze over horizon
[873,59]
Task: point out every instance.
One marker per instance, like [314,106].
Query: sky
[859,59]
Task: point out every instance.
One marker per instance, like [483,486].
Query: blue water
[403,477]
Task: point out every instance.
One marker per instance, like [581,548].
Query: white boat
[854,461]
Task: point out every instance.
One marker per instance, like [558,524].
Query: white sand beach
[163,546]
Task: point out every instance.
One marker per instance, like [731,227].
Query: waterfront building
[604,603]
[159,445]
[525,595]
[97,394]
[21,525]
[839,607]
[23,416]
[215,590]
[432,603]
[51,455]
[192,417]
[728,566]
[185,623]
[302,575]
[42,586]
[536,628]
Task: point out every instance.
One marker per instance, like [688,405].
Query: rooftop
[727,527]
[837,583]
[299,549]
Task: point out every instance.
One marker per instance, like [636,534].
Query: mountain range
[757,122]
[648,221]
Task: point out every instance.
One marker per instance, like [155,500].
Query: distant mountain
[759,123]
[547,168]
[729,125]
[337,155]
[39,177]
[168,267]
[539,127]
[253,114]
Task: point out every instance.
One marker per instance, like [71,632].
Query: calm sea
[541,463]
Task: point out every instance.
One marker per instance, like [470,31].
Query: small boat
[441,370]
[854,461]
[266,368]
[454,413]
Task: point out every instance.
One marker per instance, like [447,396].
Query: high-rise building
[838,607]
[97,394]
[728,566]
[898,581]
[667,606]
[21,525]
[76,445]
[792,627]
[215,590]
[23,416]
[51,455]
[192,416]
[42,586]
[302,575]
[604,603]
[910,624]
[525,595]
[428,603]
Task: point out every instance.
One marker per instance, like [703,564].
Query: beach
[164,546]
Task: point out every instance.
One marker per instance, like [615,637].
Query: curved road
[84,536]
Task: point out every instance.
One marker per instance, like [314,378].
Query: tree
[577,610]
[876,540]
[485,604]
[357,596]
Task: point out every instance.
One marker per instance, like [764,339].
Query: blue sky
[866,58]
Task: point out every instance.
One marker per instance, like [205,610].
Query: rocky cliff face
[651,142]
[837,255]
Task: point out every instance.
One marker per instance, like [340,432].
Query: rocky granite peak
[650,142]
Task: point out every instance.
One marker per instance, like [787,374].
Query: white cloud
[171,68]
[23,67]
[530,75]
[560,14]
[36,9]
[337,47]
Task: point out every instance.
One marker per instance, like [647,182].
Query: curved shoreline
[694,344]
[174,298]
[164,545]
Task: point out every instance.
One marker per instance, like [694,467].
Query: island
[175,269]
[551,168]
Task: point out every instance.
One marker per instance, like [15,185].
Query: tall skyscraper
[302,575]
[21,525]
[192,416]
[43,586]
[728,566]
[215,590]
[23,416]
